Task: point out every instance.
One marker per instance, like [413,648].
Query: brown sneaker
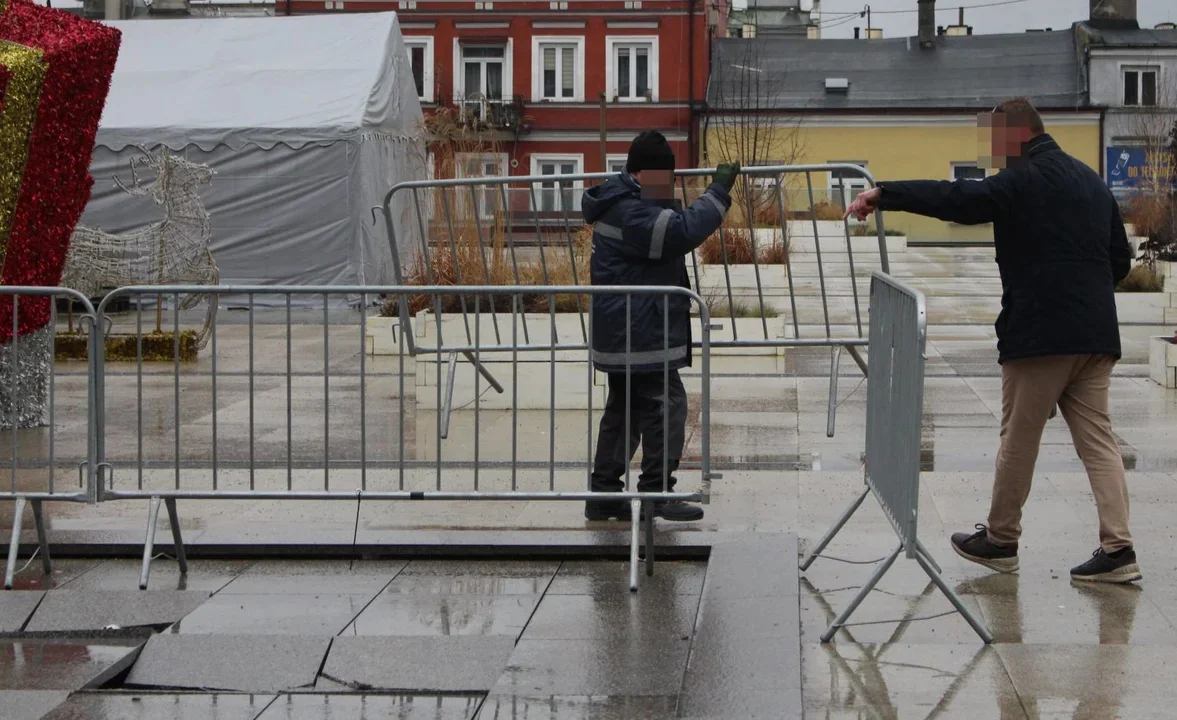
[977,548]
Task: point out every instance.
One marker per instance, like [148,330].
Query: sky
[1012,16]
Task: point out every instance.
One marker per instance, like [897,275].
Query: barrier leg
[177,536]
[854,353]
[42,537]
[449,395]
[14,543]
[649,521]
[919,546]
[835,362]
[635,536]
[149,542]
[880,571]
[484,372]
[825,539]
[953,598]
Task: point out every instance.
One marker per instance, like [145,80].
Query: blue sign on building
[1128,167]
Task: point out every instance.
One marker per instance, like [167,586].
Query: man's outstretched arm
[968,202]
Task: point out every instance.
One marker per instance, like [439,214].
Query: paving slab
[16,606]
[570,707]
[622,666]
[244,663]
[603,577]
[416,664]
[31,704]
[203,575]
[160,706]
[607,616]
[315,577]
[273,614]
[64,571]
[315,706]
[66,609]
[58,664]
[402,615]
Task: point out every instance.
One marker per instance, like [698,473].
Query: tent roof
[263,81]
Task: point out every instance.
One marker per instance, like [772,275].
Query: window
[616,163]
[421,61]
[554,195]
[482,77]
[557,69]
[488,197]
[846,184]
[632,68]
[967,171]
[1140,86]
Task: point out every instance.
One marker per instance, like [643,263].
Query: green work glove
[726,175]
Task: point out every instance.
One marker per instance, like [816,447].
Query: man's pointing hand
[865,204]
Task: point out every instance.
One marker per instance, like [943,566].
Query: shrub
[737,241]
[827,211]
[1142,278]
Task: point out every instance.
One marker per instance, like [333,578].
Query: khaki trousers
[1030,388]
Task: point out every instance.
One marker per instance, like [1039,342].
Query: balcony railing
[482,113]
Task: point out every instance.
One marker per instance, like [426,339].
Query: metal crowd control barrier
[44,440]
[895,400]
[234,424]
[759,266]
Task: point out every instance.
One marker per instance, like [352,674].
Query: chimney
[927,23]
[856,33]
[1113,14]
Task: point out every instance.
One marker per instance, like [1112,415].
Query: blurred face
[656,184]
[1000,140]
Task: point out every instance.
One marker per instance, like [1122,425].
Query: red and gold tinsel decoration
[55,72]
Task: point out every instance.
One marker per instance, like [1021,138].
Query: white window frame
[538,43]
[577,161]
[964,164]
[488,196]
[1140,69]
[611,159]
[508,70]
[424,41]
[611,44]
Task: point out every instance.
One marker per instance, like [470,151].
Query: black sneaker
[677,511]
[601,510]
[977,548]
[1119,567]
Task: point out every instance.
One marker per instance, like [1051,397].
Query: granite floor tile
[163,706]
[416,664]
[273,614]
[433,615]
[1121,676]
[644,614]
[772,617]
[16,607]
[583,707]
[623,666]
[593,577]
[203,575]
[31,704]
[64,571]
[67,609]
[768,704]
[242,663]
[881,611]
[53,664]
[314,706]
[312,577]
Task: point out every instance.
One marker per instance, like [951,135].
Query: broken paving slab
[160,706]
[416,664]
[243,663]
[72,610]
[59,664]
[15,608]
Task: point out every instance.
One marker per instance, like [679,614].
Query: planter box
[1141,308]
[832,243]
[1169,270]
[1162,361]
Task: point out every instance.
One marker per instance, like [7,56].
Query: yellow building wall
[914,152]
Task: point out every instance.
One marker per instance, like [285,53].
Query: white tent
[307,121]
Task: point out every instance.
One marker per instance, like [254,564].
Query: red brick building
[531,75]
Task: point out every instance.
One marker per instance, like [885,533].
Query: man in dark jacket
[641,236]
[1061,251]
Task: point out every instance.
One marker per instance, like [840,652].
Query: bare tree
[746,126]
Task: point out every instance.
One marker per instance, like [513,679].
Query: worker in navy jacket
[1061,251]
[642,236]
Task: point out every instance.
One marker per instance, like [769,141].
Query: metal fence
[895,397]
[782,272]
[290,404]
[50,445]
